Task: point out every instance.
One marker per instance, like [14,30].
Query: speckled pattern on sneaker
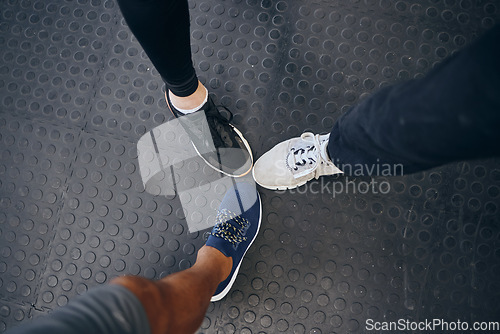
[237,225]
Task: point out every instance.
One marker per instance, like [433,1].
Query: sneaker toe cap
[270,170]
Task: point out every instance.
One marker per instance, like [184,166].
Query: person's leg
[106,309]
[178,302]
[453,113]
[131,304]
[162,29]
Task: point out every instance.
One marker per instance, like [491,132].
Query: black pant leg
[162,29]
[451,114]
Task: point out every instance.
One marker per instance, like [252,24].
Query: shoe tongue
[324,151]
[302,161]
[326,166]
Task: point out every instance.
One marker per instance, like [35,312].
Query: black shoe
[216,141]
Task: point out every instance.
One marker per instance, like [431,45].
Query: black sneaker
[215,139]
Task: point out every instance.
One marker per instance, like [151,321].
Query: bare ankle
[213,258]
[192,101]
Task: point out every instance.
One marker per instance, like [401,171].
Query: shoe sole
[278,187]
[226,290]
[247,146]
[243,139]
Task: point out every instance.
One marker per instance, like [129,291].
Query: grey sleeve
[106,309]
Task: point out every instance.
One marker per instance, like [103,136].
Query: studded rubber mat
[77,92]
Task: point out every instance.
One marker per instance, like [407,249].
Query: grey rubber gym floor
[77,93]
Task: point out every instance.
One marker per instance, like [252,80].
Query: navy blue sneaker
[237,224]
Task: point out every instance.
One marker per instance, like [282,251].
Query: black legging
[162,29]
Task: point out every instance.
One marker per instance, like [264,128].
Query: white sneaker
[294,162]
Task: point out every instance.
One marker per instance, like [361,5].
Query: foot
[215,139]
[294,162]
[238,222]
